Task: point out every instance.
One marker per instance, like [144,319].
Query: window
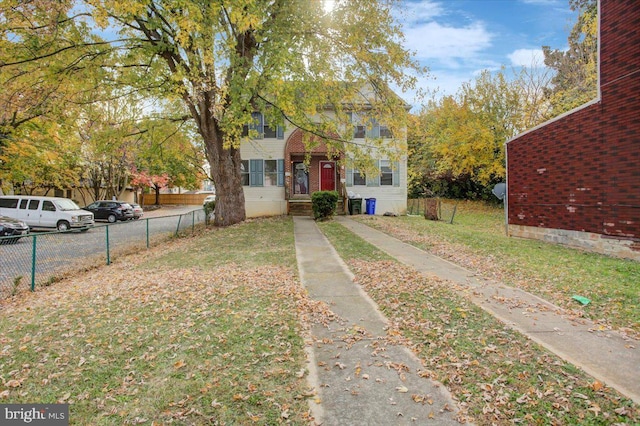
[385,132]
[354,177]
[269,132]
[9,203]
[389,175]
[359,130]
[263,172]
[262,129]
[48,206]
[386,173]
[244,172]
[372,130]
[34,204]
[270,173]
[23,204]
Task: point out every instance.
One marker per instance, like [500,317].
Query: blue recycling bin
[371,205]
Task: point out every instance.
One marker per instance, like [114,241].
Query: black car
[12,228]
[111,211]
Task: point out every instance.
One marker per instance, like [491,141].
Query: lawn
[477,241]
[498,375]
[211,329]
[204,330]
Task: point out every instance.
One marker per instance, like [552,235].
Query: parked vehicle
[137,211]
[208,199]
[111,211]
[12,228]
[46,212]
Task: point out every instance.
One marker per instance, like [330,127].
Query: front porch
[311,170]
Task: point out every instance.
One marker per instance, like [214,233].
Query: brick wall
[581,172]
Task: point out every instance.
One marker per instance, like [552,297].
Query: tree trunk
[225,172]
[431,209]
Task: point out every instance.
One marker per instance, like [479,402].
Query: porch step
[304,208]
[300,208]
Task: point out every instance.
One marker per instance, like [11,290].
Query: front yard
[211,329]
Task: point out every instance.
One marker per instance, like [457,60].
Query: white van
[46,212]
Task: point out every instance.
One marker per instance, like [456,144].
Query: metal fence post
[178,227]
[193,221]
[107,235]
[147,219]
[33,264]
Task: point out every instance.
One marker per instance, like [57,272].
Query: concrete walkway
[361,378]
[608,356]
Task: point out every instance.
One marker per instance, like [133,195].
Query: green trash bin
[355,206]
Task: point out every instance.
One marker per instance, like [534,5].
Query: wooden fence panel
[175,199]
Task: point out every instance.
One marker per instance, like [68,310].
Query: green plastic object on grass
[582,300]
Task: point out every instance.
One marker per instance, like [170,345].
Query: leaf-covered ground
[209,330]
[498,375]
[126,344]
[477,241]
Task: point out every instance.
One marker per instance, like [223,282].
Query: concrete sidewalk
[608,356]
[361,378]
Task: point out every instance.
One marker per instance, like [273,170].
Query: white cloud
[435,41]
[419,12]
[530,58]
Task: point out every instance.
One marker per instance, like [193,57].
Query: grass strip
[498,375]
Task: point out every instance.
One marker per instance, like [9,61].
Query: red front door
[327,176]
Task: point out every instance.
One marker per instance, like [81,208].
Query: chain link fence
[40,259]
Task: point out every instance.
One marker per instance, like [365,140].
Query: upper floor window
[369,129]
[262,128]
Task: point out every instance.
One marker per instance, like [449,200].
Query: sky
[457,39]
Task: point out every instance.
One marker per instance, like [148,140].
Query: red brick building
[575,180]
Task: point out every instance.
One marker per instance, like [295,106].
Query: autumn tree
[46,59]
[41,155]
[289,59]
[168,156]
[457,142]
[142,179]
[576,78]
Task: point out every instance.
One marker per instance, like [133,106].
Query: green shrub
[208,209]
[324,204]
